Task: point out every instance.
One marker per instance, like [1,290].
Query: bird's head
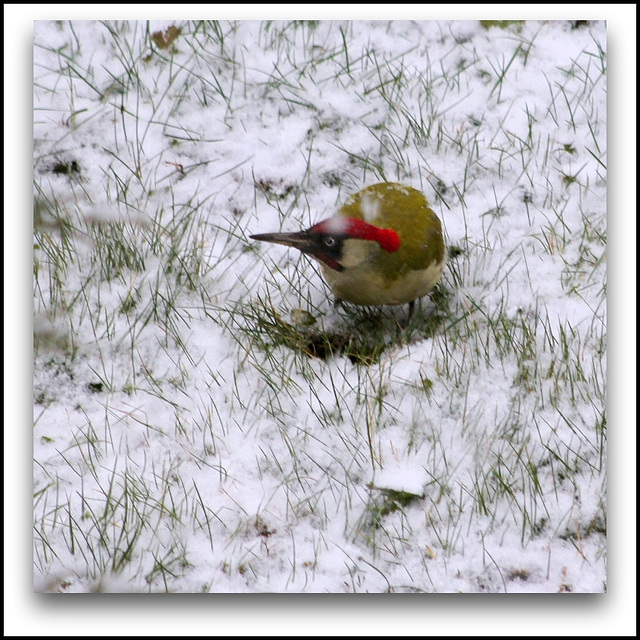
[337,242]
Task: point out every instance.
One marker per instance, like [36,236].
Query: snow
[200,426]
[240,478]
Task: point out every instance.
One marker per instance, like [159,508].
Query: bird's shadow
[363,334]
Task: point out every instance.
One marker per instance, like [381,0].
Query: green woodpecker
[384,246]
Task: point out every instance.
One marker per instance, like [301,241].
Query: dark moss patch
[70,168]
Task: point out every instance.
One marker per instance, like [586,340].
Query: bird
[383,247]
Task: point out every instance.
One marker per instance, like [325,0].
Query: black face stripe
[330,262]
[328,248]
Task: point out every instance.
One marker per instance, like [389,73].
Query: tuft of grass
[362,335]
[500,24]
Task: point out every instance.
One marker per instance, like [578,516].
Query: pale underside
[362,285]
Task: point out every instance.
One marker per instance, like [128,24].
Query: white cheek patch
[355,252]
[370,208]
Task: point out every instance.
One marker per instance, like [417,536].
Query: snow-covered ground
[185,442]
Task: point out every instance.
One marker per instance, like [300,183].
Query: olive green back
[390,205]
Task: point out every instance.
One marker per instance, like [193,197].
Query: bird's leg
[412,305]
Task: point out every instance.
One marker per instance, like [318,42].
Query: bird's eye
[329,241]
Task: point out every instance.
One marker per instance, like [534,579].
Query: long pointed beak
[300,240]
[308,242]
